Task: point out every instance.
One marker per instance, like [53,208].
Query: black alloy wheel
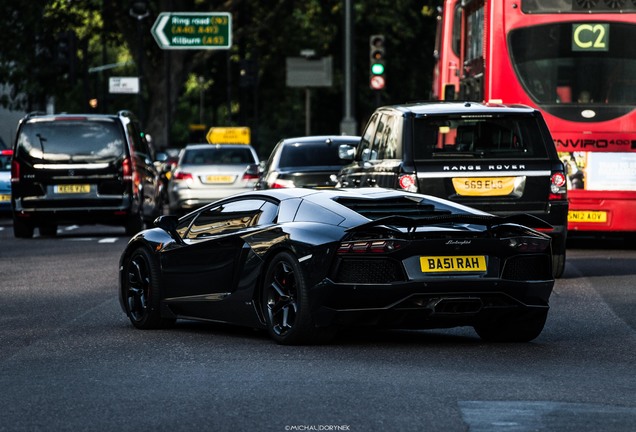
[286,304]
[142,291]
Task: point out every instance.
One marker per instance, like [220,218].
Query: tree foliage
[245,85]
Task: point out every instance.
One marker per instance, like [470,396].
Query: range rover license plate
[72,188]
[484,186]
[439,264]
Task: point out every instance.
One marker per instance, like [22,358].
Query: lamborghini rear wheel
[286,303]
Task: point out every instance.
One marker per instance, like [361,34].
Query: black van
[497,158]
[82,169]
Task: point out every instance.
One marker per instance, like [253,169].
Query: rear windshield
[71,141]
[485,136]
[311,154]
[218,156]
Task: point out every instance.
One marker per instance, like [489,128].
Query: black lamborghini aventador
[302,263]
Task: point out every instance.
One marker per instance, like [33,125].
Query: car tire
[22,229]
[522,328]
[48,230]
[285,304]
[134,224]
[142,291]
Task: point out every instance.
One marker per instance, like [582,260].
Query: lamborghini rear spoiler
[485,220]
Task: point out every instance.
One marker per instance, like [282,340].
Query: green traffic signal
[377,68]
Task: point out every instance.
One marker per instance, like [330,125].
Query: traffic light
[377,80]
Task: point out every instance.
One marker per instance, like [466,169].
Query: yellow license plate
[219,179]
[5,198]
[444,264]
[587,216]
[484,186]
[73,188]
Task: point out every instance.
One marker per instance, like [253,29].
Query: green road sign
[193,30]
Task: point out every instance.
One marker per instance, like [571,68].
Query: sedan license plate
[587,216]
[484,186]
[218,179]
[72,188]
[5,198]
[446,264]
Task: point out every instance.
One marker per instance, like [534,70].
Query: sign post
[193,30]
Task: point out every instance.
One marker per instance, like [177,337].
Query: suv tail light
[408,182]
[558,186]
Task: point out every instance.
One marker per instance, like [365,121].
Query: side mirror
[346,152]
[169,224]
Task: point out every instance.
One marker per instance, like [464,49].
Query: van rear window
[71,141]
[478,137]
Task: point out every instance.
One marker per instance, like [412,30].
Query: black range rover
[82,169]
[499,159]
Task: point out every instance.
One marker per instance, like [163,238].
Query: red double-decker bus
[575,61]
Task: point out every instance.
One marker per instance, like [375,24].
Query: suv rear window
[71,141]
[478,136]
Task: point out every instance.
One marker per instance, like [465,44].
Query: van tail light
[408,182]
[127,169]
[130,174]
[15,171]
[558,186]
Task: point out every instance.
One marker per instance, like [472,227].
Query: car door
[202,275]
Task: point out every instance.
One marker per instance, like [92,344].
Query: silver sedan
[208,172]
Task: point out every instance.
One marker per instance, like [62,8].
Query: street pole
[348,124]
[139,10]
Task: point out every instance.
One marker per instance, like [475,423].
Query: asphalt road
[70,360]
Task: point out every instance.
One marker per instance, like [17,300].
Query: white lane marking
[108,240]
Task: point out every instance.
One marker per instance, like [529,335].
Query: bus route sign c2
[193,30]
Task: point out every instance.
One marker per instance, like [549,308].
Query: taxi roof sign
[228,135]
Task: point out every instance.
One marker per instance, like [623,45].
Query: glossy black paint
[220,277]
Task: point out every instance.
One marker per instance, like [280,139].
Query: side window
[379,139]
[367,138]
[139,144]
[388,144]
[232,216]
